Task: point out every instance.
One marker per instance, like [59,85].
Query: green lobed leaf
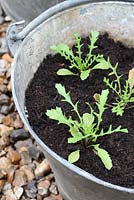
[79,63]
[77,38]
[63,49]
[103,64]
[94,36]
[120,129]
[61,90]
[118,108]
[104,156]
[101,105]
[74,156]
[76,106]
[103,100]
[57,114]
[110,131]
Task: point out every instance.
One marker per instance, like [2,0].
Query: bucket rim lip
[44,147]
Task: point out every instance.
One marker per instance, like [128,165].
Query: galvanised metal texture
[26,9]
[116,18]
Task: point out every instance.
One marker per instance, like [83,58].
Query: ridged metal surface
[26,9]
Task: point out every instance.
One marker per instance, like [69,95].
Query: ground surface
[24,172]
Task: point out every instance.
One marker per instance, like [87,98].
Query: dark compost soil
[42,95]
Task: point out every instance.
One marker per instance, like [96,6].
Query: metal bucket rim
[63,161]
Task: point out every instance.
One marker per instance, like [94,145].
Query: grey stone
[32,186]
[6,187]
[19,134]
[31,190]
[4,99]
[4,109]
[19,144]
[25,158]
[34,152]
[43,192]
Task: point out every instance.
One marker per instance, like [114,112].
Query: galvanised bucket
[57,25]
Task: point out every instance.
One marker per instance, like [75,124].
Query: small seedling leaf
[84,74]
[103,64]
[104,156]
[64,72]
[73,140]
[74,130]
[74,156]
[88,119]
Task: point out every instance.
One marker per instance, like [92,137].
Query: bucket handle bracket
[13,30]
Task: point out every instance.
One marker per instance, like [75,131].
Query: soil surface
[42,95]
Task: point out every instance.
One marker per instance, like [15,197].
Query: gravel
[24,172]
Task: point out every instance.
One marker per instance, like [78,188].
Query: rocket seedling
[86,127]
[124,92]
[83,66]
